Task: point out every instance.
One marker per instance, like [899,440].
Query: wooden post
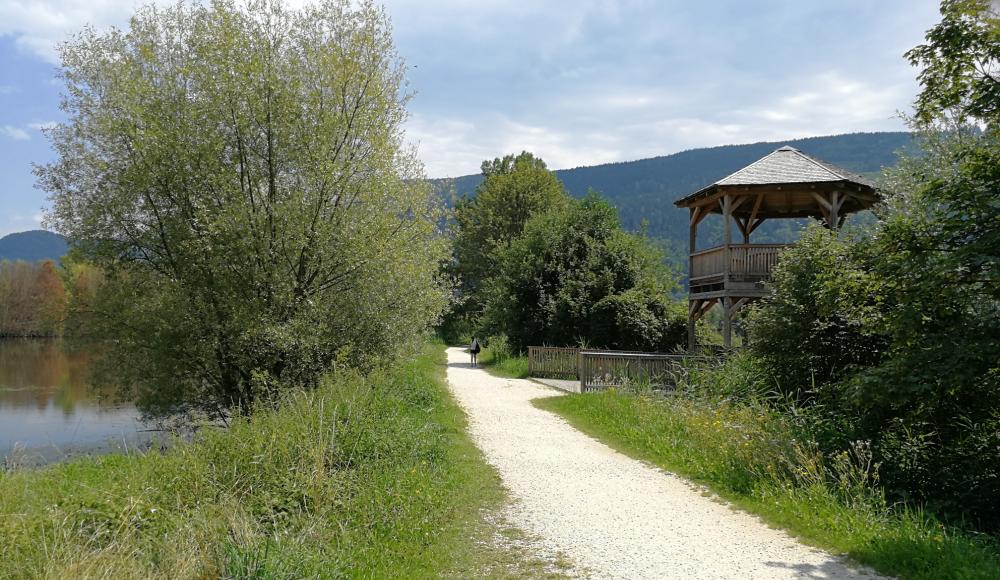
[727,321]
[836,201]
[727,229]
[692,246]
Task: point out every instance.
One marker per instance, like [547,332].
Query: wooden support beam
[705,306]
[836,201]
[744,228]
[727,228]
[756,224]
[738,305]
[692,336]
[727,214]
[823,203]
[753,216]
[704,214]
[737,202]
[693,240]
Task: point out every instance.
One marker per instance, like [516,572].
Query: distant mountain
[645,190]
[33,246]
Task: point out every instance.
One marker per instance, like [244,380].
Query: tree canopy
[514,188]
[575,276]
[240,175]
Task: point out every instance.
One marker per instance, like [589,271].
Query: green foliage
[959,63]
[363,477]
[936,398]
[895,338]
[498,357]
[575,276]
[809,331]
[514,188]
[765,462]
[239,174]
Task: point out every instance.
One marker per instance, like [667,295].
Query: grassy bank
[756,459]
[367,476]
[498,359]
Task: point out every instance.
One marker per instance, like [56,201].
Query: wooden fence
[601,369]
[553,362]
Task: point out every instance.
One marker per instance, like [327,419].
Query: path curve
[613,516]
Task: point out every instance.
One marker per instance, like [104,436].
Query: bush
[575,277]
[803,333]
[637,320]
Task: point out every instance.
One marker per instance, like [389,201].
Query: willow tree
[239,172]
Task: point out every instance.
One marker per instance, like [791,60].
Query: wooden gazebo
[784,184]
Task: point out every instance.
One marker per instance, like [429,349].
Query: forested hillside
[32,246]
[645,190]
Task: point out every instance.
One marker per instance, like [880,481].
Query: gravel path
[613,516]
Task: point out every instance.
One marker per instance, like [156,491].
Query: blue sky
[577,82]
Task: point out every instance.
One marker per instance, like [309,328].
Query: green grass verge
[512,367]
[749,456]
[364,477]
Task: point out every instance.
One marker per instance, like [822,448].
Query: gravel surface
[613,516]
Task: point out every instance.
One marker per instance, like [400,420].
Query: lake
[49,411]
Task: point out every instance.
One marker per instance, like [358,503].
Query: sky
[577,82]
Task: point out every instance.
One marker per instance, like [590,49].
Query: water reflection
[49,410]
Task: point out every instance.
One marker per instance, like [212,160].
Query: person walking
[474,349]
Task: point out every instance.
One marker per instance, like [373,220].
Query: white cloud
[590,81]
[43,126]
[40,25]
[15,133]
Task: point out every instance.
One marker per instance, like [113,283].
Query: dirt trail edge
[613,516]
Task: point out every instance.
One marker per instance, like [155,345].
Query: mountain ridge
[644,190]
[33,246]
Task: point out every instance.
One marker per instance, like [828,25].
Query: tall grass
[761,461]
[366,476]
[499,358]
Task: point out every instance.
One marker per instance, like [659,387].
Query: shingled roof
[786,165]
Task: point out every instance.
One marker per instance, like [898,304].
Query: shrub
[802,334]
[576,277]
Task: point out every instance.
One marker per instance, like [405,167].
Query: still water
[49,410]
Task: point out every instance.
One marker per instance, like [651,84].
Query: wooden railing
[708,262]
[744,260]
[553,362]
[601,369]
